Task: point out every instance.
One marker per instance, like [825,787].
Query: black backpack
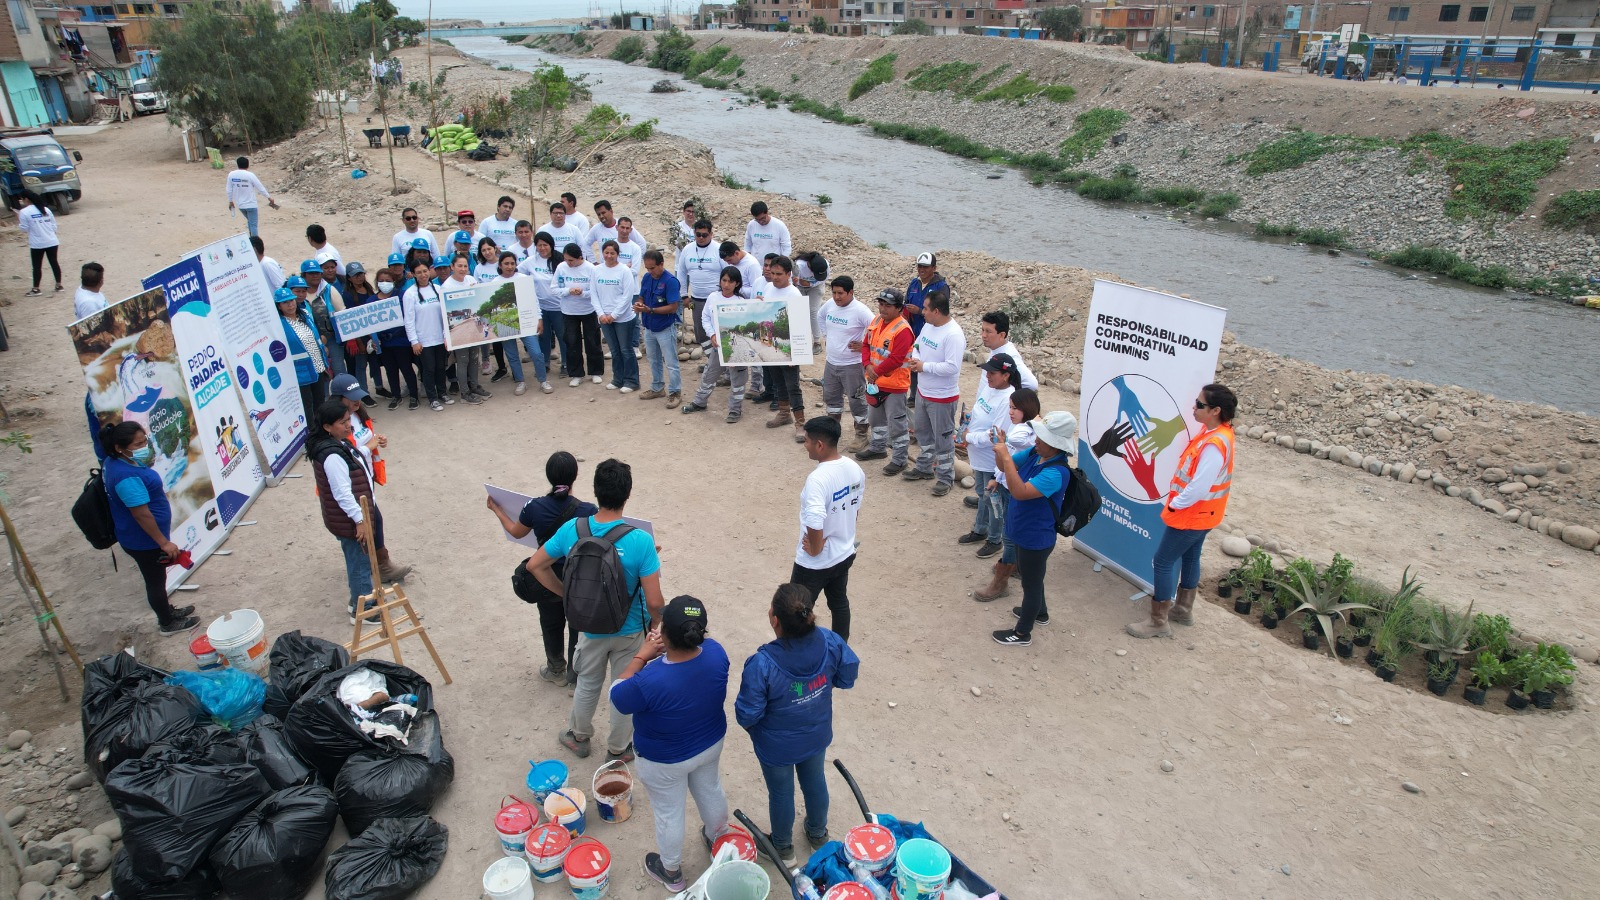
[1079,502]
[523,584]
[92,512]
[594,583]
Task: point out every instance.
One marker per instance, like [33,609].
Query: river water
[1340,312]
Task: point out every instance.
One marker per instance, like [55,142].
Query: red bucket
[743,846]
[872,846]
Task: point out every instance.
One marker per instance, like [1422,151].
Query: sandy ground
[1047,778]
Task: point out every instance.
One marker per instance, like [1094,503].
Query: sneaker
[969,502]
[372,619]
[472,398]
[435,405]
[395,404]
[368,401]
[1038,620]
[596,379]
[575,382]
[817,840]
[552,676]
[785,854]
[625,756]
[545,386]
[691,408]
[674,400]
[870,453]
[942,488]
[384,393]
[482,393]
[610,386]
[180,624]
[34,293]
[449,401]
[521,388]
[625,390]
[733,416]
[183,612]
[1010,638]
[989,549]
[608,354]
[916,475]
[894,468]
[580,748]
[671,879]
[501,375]
[971,537]
[651,394]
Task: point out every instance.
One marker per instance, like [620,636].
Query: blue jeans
[999,505]
[555,335]
[250,216]
[514,358]
[986,522]
[622,337]
[1176,544]
[662,346]
[357,569]
[780,798]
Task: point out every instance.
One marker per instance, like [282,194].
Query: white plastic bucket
[738,880]
[240,636]
[612,789]
[508,879]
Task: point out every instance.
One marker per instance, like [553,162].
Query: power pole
[1244,6]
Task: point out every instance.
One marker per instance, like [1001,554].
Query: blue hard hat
[295,281]
[395,259]
[310,265]
[462,237]
[420,244]
[442,261]
[283,294]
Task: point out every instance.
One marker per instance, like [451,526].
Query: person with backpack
[1195,503]
[611,587]
[1037,479]
[142,518]
[543,516]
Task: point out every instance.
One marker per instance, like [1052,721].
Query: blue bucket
[545,777]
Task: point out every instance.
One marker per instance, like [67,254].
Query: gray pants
[468,361]
[697,306]
[935,424]
[738,377]
[841,382]
[889,427]
[667,782]
[592,659]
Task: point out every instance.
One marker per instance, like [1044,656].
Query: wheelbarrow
[400,135]
[374,136]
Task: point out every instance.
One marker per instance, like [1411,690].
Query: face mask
[385,286]
[142,456]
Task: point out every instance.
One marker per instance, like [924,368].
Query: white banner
[1146,355]
[368,318]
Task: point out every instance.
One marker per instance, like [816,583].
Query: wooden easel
[393,609]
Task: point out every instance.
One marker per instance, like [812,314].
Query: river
[1341,312]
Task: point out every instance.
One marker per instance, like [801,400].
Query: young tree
[913,26]
[1061,22]
[536,114]
[819,25]
[234,76]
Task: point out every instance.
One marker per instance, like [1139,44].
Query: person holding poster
[469,360]
[143,518]
[738,376]
[1196,501]
[614,290]
[305,345]
[1037,479]
[424,315]
[580,314]
[785,379]
[507,272]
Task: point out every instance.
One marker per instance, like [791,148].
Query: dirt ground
[1286,766]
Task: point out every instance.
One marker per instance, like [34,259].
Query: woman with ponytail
[143,518]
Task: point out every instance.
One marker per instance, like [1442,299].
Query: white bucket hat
[1059,429]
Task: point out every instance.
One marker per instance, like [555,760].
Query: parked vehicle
[146,99]
[33,160]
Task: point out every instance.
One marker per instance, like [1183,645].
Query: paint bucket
[544,777]
[848,890]
[921,870]
[240,637]
[513,823]
[744,847]
[546,850]
[205,655]
[872,846]
[738,880]
[588,869]
[613,791]
[508,879]
[565,808]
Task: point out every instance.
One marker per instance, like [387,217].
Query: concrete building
[768,15]
[1572,26]
[22,47]
[843,16]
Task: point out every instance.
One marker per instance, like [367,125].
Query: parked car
[146,99]
[37,162]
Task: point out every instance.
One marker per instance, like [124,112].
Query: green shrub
[1443,262]
[628,49]
[732,64]
[1092,130]
[768,95]
[1173,195]
[1267,229]
[705,60]
[938,138]
[1023,88]
[879,71]
[673,52]
[1300,147]
[1096,188]
[980,84]
[1573,210]
[948,76]
[1323,237]
[1218,206]
[833,113]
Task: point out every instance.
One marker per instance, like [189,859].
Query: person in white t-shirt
[564,229]
[765,233]
[242,188]
[502,226]
[991,409]
[569,205]
[614,290]
[406,238]
[842,323]
[600,232]
[683,229]
[784,379]
[39,224]
[580,316]
[631,246]
[89,300]
[829,504]
[996,336]
[936,356]
[269,266]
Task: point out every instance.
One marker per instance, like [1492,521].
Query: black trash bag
[211,744]
[395,782]
[389,861]
[297,661]
[125,885]
[275,851]
[267,749]
[106,681]
[276,703]
[172,810]
[148,713]
[325,732]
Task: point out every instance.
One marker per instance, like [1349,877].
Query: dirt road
[1042,766]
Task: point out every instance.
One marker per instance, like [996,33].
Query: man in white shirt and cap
[243,186]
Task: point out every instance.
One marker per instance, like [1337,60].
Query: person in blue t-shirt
[679,725]
[598,654]
[1037,478]
[786,703]
[142,518]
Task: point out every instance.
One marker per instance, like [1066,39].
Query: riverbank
[1247,137]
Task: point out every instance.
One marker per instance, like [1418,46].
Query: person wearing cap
[699,269]
[424,316]
[810,276]
[883,365]
[332,272]
[467,220]
[343,472]
[990,409]
[598,653]
[765,233]
[317,237]
[675,688]
[324,301]
[563,229]
[441,267]
[364,435]
[926,282]
[657,306]
[394,346]
[461,242]
[358,360]
[785,702]
[407,237]
[502,226]
[1024,416]
[829,505]
[995,332]
[569,205]
[304,345]
[1037,479]
[600,232]
[936,355]
[842,323]
[1196,501]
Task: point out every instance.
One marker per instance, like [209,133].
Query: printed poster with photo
[762,332]
[490,312]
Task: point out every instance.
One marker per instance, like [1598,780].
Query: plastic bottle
[867,881]
[805,888]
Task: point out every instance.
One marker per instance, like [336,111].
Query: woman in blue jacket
[143,518]
[786,703]
[305,346]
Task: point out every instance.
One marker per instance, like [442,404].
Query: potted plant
[1227,583]
[1340,572]
[1361,632]
[1492,634]
[1320,598]
[1308,633]
[1441,675]
[1445,636]
[1550,666]
[1487,672]
[1517,669]
[1343,646]
[1393,638]
[1242,604]
[1269,613]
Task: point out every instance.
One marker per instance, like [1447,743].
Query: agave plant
[1318,597]
[1448,633]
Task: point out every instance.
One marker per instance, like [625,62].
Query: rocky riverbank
[1195,126]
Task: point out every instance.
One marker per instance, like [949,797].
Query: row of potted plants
[1336,606]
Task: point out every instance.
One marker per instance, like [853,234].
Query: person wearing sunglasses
[406,238]
[1195,503]
[699,270]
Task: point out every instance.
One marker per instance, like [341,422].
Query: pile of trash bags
[216,799]
[453,137]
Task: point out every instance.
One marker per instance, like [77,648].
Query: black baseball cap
[1000,362]
[891,295]
[680,611]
